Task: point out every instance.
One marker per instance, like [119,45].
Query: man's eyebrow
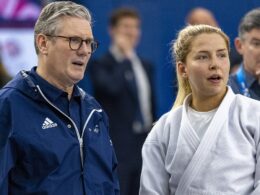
[255,39]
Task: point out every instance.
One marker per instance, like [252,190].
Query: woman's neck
[205,104]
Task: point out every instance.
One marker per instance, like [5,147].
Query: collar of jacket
[24,83]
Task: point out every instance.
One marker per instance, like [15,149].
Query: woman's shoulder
[166,126]
[246,102]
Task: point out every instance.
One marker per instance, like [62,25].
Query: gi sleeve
[7,156]
[257,167]
[154,177]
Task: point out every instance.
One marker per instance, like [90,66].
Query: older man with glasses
[53,136]
[246,80]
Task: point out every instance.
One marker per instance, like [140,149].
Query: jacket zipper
[80,138]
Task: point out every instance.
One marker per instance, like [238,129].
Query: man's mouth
[78,63]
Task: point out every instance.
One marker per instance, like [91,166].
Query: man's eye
[256,44]
[89,41]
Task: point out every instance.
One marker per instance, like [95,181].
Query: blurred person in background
[122,83]
[201,15]
[4,76]
[54,137]
[246,80]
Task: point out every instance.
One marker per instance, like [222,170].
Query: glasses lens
[75,43]
[94,46]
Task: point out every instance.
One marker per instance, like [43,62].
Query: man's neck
[55,82]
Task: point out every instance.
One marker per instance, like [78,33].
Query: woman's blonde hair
[181,48]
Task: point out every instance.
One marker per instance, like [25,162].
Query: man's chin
[76,79]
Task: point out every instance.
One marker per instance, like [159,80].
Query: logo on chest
[95,129]
[48,123]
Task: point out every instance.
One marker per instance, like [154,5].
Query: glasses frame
[93,43]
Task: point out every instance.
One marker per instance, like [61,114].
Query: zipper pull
[81,150]
[81,142]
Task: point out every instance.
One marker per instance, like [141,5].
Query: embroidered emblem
[48,123]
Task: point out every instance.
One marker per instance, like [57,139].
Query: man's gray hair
[52,13]
[249,22]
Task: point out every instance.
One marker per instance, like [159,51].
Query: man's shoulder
[89,99]
[8,96]
[11,89]
[233,76]
[92,103]
[232,82]
[17,87]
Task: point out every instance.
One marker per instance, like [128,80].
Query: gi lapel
[187,131]
[206,144]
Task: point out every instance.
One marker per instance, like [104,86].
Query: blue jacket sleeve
[6,150]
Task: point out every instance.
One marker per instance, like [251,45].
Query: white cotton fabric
[200,120]
[224,162]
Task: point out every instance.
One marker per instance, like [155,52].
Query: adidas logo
[48,123]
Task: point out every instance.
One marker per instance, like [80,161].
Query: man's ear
[239,45]
[42,43]
[182,69]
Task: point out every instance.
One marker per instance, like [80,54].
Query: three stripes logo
[48,123]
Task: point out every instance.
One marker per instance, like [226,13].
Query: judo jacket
[225,161]
[42,151]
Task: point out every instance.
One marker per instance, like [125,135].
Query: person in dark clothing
[122,83]
[54,137]
[246,80]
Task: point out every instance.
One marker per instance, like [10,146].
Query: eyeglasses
[76,42]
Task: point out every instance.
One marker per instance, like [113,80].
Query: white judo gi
[224,162]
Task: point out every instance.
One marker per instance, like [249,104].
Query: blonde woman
[208,144]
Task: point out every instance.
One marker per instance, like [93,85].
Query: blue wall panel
[161,20]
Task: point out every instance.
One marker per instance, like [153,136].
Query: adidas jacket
[41,151]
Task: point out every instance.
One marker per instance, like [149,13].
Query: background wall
[161,20]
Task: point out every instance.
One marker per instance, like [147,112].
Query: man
[53,136]
[122,83]
[246,80]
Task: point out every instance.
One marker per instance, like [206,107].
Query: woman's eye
[202,57]
[222,55]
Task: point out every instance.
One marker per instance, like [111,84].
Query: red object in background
[19,10]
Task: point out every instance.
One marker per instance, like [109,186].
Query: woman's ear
[42,44]
[182,69]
